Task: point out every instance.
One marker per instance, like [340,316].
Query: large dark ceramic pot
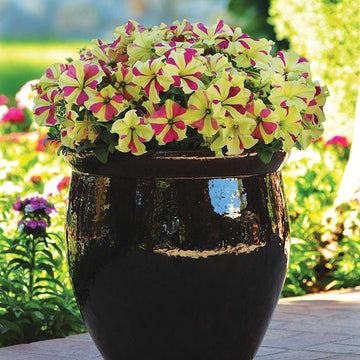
[177,255]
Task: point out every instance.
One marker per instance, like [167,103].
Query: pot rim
[185,164]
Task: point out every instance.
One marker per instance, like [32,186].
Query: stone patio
[311,327]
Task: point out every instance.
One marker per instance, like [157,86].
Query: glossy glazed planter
[177,255]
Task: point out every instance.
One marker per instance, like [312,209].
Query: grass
[22,61]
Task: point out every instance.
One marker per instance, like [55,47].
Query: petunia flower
[169,122]
[141,49]
[289,126]
[292,93]
[216,64]
[124,84]
[79,81]
[133,132]
[253,53]
[44,108]
[150,76]
[217,34]
[266,120]
[107,56]
[83,130]
[106,104]
[229,95]
[314,113]
[52,75]
[185,71]
[202,115]
[177,32]
[235,134]
[291,65]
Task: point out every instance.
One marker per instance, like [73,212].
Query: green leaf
[39,315]
[8,325]
[102,154]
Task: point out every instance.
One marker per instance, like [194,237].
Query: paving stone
[337,348]
[294,355]
[313,327]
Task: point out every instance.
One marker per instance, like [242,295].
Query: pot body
[176,267]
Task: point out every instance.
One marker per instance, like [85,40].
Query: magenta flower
[17,205]
[14,114]
[338,140]
[3,100]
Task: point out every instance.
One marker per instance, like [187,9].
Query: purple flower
[32,224]
[17,205]
[42,224]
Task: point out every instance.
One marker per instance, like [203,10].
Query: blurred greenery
[21,61]
[327,33]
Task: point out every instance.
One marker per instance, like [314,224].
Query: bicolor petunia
[151,77]
[253,53]
[141,49]
[52,75]
[292,93]
[45,108]
[133,132]
[107,104]
[83,130]
[229,95]
[79,81]
[266,120]
[185,70]
[124,84]
[235,134]
[201,113]
[169,122]
[217,34]
[289,126]
[314,113]
[291,65]
[216,64]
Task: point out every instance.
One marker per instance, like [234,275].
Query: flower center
[207,112]
[122,84]
[107,100]
[235,127]
[171,122]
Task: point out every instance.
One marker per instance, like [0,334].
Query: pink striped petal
[158,128]
[110,111]
[191,84]
[170,136]
[72,72]
[264,113]
[269,127]
[68,90]
[83,96]
[180,124]
[90,71]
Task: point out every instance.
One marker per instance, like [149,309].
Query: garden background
[36,300]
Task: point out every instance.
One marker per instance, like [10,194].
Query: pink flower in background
[338,140]
[25,96]
[13,114]
[3,100]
